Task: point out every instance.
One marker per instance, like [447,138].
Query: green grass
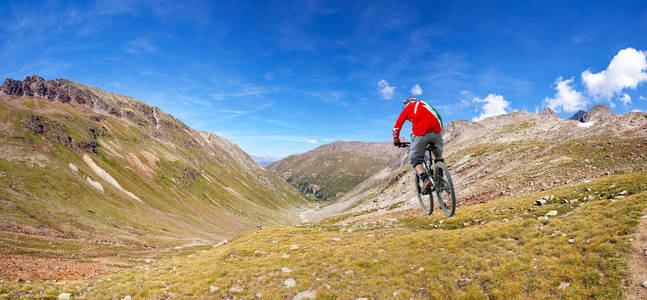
[54,201]
[520,257]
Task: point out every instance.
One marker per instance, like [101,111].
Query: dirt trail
[315,215]
[638,263]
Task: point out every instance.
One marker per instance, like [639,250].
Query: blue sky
[282,77]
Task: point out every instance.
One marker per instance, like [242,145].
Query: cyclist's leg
[436,140]
[417,153]
[416,157]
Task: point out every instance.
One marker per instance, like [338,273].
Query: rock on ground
[305,295]
[290,282]
[64,296]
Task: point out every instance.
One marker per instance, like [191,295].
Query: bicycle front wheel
[444,189]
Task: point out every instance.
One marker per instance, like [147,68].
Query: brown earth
[638,263]
[18,268]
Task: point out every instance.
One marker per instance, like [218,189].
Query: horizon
[280,78]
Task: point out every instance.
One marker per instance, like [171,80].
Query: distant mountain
[547,113]
[263,161]
[599,112]
[78,162]
[333,169]
[578,116]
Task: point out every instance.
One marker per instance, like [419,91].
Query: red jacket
[424,117]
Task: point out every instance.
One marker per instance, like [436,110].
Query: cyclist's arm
[398,124]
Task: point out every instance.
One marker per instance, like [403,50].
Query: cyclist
[427,127]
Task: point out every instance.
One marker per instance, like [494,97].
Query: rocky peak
[578,116]
[547,113]
[599,112]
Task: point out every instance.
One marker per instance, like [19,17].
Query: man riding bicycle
[427,127]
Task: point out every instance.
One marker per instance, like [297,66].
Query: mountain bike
[443,186]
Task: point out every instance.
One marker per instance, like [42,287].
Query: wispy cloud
[416,90]
[247,90]
[331,97]
[140,45]
[625,99]
[250,136]
[235,113]
[581,38]
[385,89]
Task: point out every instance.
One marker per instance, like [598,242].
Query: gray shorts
[419,143]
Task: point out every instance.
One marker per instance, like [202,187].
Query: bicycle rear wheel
[444,189]
[427,204]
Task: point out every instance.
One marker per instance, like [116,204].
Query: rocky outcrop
[65,91]
[599,112]
[35,86]
[578,116]
[547,113]
[58,133]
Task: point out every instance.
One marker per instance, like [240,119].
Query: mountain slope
[510,154]
[84,166]
[333,169]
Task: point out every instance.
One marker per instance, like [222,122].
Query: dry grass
[516,258]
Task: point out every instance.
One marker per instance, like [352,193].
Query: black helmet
[408,100]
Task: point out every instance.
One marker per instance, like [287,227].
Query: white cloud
[636,110]
[416,90]
[494,105]
[386,90]
[643,98]
[625,99]
[626,70]
[566,97]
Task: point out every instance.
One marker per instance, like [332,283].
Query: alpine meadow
[323,150]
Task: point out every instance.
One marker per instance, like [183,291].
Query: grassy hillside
[578,245]
[333,169]
[78,181]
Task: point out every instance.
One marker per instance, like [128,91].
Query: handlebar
[404,145]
